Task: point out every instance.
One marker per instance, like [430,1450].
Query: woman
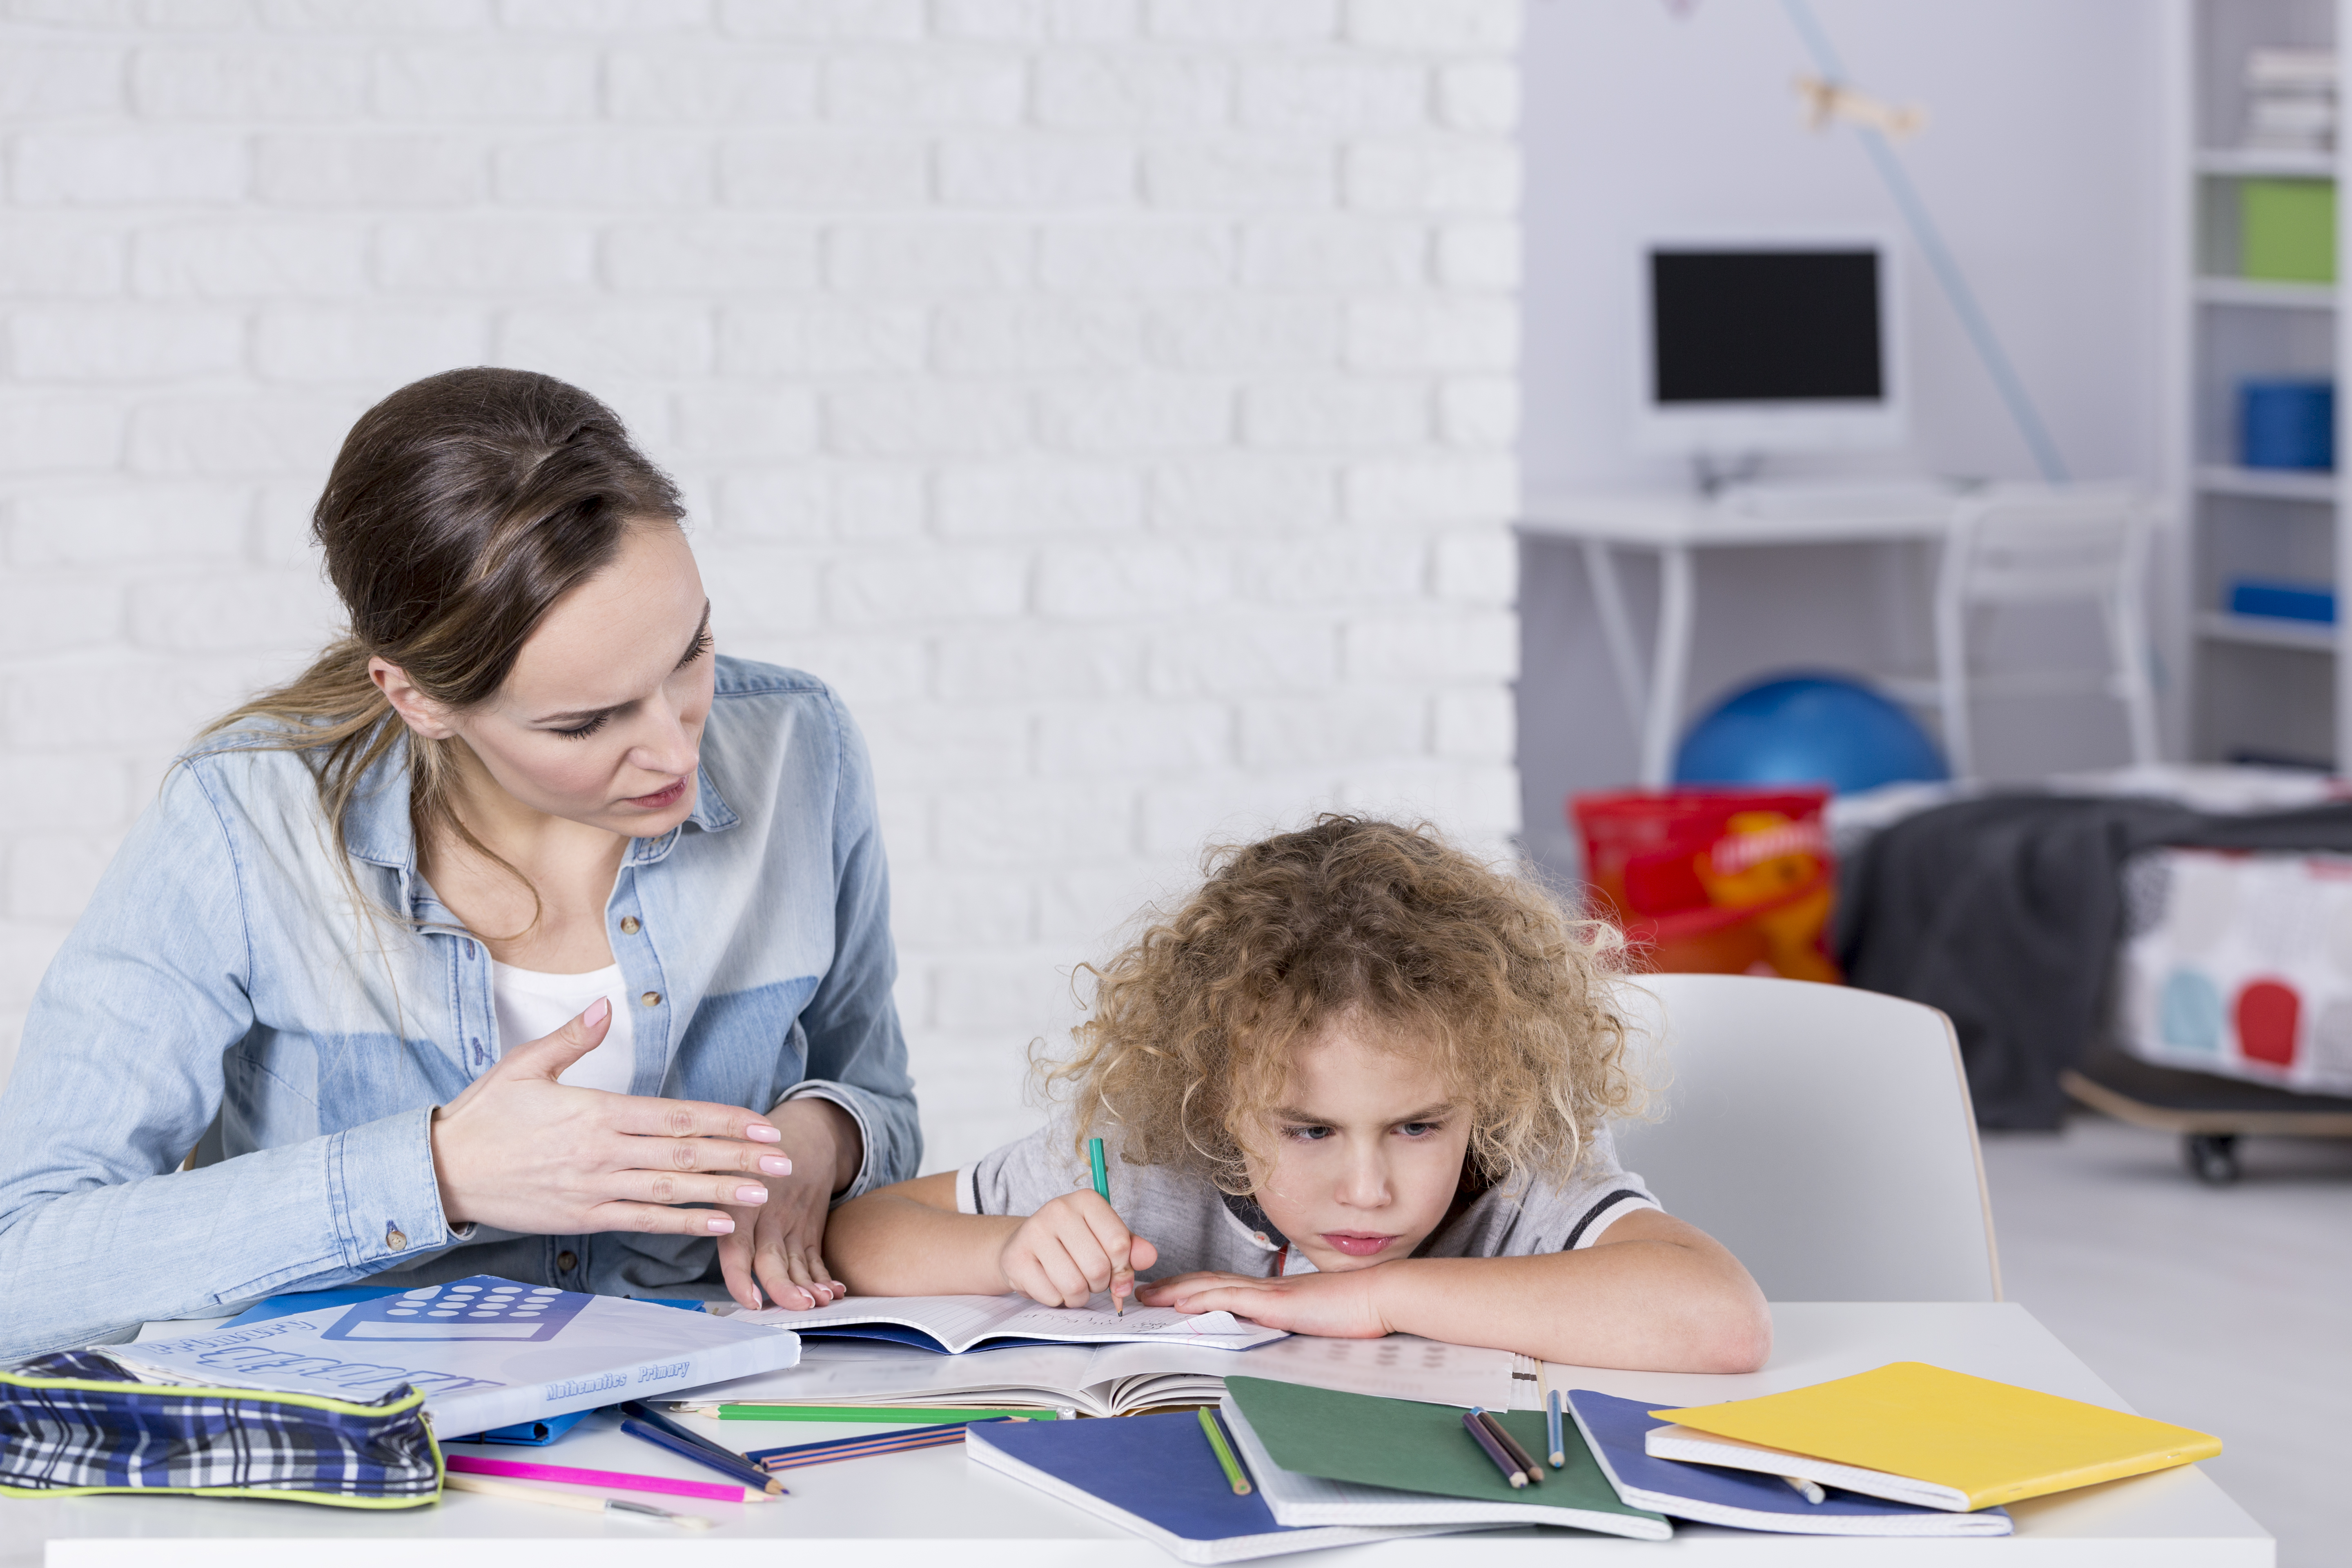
[521,919]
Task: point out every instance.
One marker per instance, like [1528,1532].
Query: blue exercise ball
[1808,729]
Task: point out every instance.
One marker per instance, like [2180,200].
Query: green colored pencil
[1232,1467]
[1102,1191]
[876,1414]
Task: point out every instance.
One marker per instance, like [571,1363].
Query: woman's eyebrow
[582,715]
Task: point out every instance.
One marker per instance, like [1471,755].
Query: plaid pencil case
[75,1422]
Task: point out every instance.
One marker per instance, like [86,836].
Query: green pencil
[1232,1467]
[876,1414]
[1102,1191]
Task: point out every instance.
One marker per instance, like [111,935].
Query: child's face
[1368,1152]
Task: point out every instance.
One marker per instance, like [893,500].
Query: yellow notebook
[1989,1442]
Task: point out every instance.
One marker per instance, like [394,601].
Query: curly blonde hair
[1194,1025]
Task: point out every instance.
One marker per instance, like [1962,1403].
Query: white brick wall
[1113,398]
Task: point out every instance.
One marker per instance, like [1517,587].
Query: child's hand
[1334,1306]
[1069,1250]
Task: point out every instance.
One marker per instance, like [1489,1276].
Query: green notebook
[1415,1447]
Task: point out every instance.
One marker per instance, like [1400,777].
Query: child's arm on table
[909,1240]
[1654,1294]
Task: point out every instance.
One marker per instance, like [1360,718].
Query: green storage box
[2288,230]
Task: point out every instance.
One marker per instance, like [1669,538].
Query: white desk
[936,1510]
[1674,526]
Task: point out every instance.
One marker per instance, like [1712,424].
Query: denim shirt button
[651,998]
[395,1238]
[628,925]
[567,1261]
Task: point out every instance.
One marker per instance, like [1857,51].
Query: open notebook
[959,1324]
[1117,1379]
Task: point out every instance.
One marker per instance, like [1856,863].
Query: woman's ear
[418,711]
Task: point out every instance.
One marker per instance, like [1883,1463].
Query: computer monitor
[1770,346]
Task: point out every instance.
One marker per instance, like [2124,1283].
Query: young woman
[1358,1084]
[521,934]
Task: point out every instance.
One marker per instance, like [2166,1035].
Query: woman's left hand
[1334,1306]
[777,1247]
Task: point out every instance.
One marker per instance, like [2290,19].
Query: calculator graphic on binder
[482,1308]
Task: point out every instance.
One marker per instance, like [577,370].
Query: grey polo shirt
[1195,1226]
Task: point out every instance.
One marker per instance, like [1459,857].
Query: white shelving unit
[2259,686]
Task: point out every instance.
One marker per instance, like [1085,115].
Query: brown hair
[1194,1024]
[460,509]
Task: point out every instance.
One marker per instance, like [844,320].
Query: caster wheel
[2211,1157]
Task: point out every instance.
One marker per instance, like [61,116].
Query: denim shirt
[223,996]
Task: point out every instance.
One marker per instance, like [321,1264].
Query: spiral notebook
[1157,1475]
[1614,1430]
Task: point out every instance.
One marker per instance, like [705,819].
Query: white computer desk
[936,1510]
[1675,527]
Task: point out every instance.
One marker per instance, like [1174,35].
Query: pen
[578,1501]
[734,1464]
[1494,1450]
[1102,1190]
[1809,1490]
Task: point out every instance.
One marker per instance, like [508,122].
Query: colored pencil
[1234,1474]
[618,1481]
[1518,1455]
[517,1492]
[1552,1426]
[733,1465]
[1494,1450]
[637,1409]
[879,1414]
[1102,1191]
[794,1456]
[1809,1489]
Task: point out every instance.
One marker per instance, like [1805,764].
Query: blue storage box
[2289,601]
[2287,425]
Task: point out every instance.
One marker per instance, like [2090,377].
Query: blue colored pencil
[1551,1430]
[794,1456]
[743,1471]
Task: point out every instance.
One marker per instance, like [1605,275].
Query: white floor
[2228,1310]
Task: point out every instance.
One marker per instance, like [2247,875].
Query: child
[1357,1085]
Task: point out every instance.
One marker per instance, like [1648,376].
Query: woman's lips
[659,799]
[1354,1243]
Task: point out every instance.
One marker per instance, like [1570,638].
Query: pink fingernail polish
[774,1165]
[719,1224]
[761,1132]
[750,1194]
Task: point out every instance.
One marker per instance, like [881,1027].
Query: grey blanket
[2006,912]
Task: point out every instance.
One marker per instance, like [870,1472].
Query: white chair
[2041,546]
[1825,1136]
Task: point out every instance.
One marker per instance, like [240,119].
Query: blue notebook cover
[1746,1500]
[1157,1475]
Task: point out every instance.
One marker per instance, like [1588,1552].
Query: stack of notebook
[1931,1440]
[1906,1450]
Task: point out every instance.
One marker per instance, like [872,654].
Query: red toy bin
[1721,880]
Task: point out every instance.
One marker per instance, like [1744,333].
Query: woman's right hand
[522,1153]
[1071,1248]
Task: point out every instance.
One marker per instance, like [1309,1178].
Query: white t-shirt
[1196,1226]
[532,1006]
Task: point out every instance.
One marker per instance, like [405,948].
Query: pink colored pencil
[465,1464]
